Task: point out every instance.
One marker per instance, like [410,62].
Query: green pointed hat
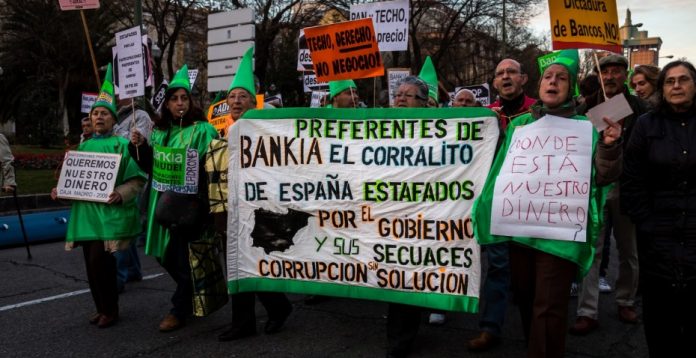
[244,78]
[181,80]
[569,59]
[336,87]
[429,75]
[106,97]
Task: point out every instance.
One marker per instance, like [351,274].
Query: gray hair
[422,92]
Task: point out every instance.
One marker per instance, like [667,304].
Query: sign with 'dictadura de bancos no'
[88,176]
[544,185]
[373,203]
[585,24]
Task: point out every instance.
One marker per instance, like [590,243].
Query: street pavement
[45,304]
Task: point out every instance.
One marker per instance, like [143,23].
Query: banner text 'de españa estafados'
[347,50]
[543,187]
[88,176]
[372,204]
[585,24]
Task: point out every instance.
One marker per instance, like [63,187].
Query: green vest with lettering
[101,221]
[580,253]
[196,136]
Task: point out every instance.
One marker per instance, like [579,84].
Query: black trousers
[176,262]
[101,276]
[403,322]
[244,313]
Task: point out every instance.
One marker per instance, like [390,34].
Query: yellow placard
[219,115]
[347,50]
[585,24]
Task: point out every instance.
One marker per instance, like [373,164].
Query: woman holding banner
[177,210]
[658,190]
[102,228]
[543,269]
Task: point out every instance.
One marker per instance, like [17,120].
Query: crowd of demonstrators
[644,81]
[613,70]
[103,229]
[175,216]
[542,270]
[241,97]
[659,194]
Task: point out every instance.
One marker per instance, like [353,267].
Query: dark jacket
[658,192]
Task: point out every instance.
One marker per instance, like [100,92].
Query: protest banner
[394,76]
[362,203]
[346,50]
[158,97]
[175,169]
[88,176]
[148,75]
[585,24]
[78,4]
[88,99]
[482,93]
[304,58]
[131,77]
[219,116]
[317,97]
[543,187]
[310,82]
[390,20]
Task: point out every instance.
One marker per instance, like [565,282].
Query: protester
[343,94]
[102,229]
[659,194]
[464,98]
[613,71]
[403,320]
[542,269]
[177,214]
[130,118]
[429,76]
[644,82]
[87,130]
[241,97]
[508,81]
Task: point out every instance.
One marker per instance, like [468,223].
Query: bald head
[509,79]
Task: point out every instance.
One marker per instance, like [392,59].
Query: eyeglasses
[671,82]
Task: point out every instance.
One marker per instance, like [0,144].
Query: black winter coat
[658,192]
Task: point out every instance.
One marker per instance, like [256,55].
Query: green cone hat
[106,97]
[181,80]
[244,78]
[429,75]
[569,59]
[336,87]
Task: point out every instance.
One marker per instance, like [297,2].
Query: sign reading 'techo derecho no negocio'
[88,176]
[175,169]
[373,204]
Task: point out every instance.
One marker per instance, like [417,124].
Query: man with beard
[613,71]
[512,102]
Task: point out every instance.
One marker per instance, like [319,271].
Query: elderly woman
[403,320]
[178,204]
[543,269]
[644,82]
[103,228]
[659,193]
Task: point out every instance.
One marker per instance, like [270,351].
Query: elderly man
[613,71]
[464,98]
[343,94]
[512,102]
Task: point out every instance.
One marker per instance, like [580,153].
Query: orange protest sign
[259,101]
[347,50]
[585,24]
[219,115]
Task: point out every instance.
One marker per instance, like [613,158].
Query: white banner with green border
[361,203]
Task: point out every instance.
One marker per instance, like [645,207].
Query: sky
[672,20]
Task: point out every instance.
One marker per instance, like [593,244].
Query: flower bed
[37,160]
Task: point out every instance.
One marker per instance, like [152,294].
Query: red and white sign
[78,4]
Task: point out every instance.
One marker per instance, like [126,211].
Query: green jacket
[579,252]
